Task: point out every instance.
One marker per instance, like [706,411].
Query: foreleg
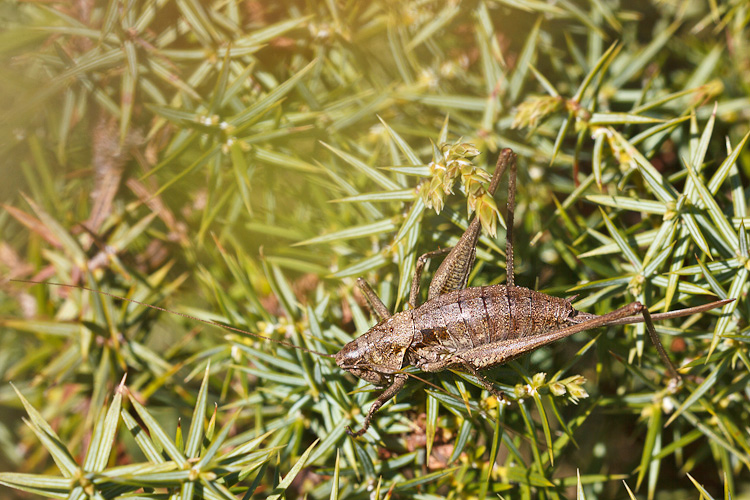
[399,380]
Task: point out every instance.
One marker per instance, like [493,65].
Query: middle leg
[500,395]
[415,281]
[376,305]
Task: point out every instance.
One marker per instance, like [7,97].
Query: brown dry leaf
[34,224]
[177,230]
[11,264]
[108,161]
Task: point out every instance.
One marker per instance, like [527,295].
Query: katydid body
[473,328]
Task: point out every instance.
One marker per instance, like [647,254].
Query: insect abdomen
[475,316]
[519,312]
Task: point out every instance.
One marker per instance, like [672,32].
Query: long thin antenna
[208,322]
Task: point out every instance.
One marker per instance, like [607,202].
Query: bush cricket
[474,328]
[468,329]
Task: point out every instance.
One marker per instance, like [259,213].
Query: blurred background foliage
[244,161]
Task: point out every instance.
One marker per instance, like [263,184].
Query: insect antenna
[176,313]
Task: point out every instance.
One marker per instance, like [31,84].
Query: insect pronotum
[468,329]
